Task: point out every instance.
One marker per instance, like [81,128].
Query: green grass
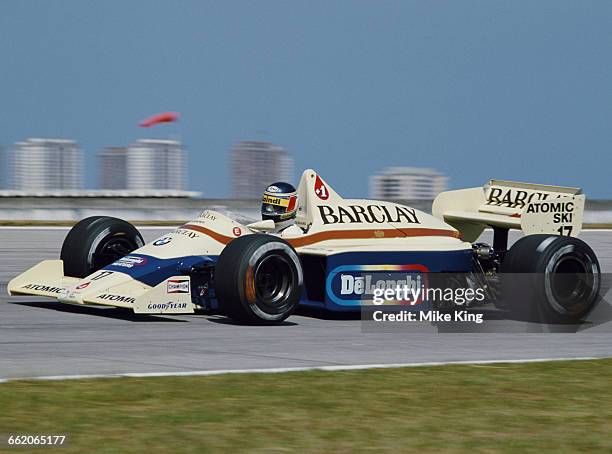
[553,407]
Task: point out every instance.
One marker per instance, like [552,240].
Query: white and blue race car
[343,251]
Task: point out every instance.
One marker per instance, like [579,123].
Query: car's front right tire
[258,279]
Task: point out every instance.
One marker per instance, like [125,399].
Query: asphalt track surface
[39,337]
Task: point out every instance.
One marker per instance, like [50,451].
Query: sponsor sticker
[44,288]
[118,298]
[188,233]
[162,241]
[561,215]
[166,306]
[236,231]
[177,286]
[277,201]
[130,261]
[369,214]
[207,214]
[320,189]
[273,188]
[349,285]
[83,285]
[514,198]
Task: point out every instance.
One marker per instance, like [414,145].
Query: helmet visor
[277,205]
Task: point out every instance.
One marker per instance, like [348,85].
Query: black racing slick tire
[97,241]
[258,280]
[551,279]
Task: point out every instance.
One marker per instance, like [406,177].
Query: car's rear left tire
[258,279]
[97,241]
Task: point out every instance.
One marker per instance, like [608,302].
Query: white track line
[278,370]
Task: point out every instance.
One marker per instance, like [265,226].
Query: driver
[279,203]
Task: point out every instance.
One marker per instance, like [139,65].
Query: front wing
[171,296]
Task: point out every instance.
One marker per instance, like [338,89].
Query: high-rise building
[3,167]
[113,168]
[156,164]
[407,183]
[47,164]
[254,165]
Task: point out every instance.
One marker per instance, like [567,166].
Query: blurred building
[254,165]
[154,164]
[47,164]
[113,168]
[407,183]
[3,167]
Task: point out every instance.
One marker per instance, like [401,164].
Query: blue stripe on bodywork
[434,261]
[152,270]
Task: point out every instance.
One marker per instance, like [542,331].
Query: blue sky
[477,89]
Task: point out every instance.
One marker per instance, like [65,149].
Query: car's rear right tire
[550,278]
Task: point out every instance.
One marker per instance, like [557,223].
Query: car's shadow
[601,314]
[323,314]
[111,312]
[223,320]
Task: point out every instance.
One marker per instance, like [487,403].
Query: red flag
[166,117]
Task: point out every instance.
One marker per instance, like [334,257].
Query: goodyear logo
[166,306]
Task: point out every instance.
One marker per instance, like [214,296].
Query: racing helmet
[279,203]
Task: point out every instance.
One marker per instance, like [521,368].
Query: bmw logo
[162,241]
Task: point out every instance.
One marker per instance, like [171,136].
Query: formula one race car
[216,263]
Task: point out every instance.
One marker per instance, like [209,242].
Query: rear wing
[532,208]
